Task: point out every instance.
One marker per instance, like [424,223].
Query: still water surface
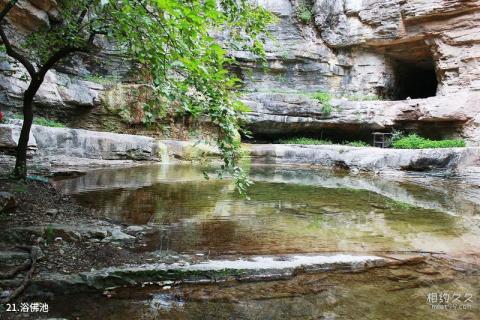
[290,210]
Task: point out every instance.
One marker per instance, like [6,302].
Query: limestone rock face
[73,90]
[392,49]
[80,143]
[59,90]
[31,15]
[298,60]
[388,49]
[277,114]
[366,159]
[9,136]
[355,46]
[347,23]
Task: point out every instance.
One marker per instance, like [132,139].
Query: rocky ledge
[254,268]
[366,158]
[65,150]
[48,141]
[280,114]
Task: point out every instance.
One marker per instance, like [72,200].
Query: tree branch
[91,38]
[63,53]
[57,56]
[16,55]
[84,12]
[7,8]
[82,16]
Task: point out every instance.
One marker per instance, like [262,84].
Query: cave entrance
[413,70]
[415,80]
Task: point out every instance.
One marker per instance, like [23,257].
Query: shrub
[414,141]
[311,141]
[324,98]
[48,123]
[397,135]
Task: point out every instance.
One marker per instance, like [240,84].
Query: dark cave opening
[334,135]
[415,80]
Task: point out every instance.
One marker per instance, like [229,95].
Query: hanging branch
[15,54]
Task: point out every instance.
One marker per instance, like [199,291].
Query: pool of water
[290,210]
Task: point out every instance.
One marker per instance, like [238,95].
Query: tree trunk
[20,171]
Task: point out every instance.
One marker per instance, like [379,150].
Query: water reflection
[291,210]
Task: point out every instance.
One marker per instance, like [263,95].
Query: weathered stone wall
[366,159]
[349,48]
[79,143]
[297,59]
[278,114]
[352,45]
[359,49]
[74,90]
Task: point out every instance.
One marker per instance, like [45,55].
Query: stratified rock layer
[80,143]
[278,114]
[356,46]
[366,159]
[393,50]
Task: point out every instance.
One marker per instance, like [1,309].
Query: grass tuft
[304,12]
[324,98]
[41,121]
[302,140]
[311,141]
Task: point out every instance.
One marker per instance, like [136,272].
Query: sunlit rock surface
[279,114]
[368,159]
[351,48]
[210,271]
[79,143]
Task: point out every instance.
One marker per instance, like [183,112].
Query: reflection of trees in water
[134,207]
[163,203]
[178,201]
[208,236]
[208,216]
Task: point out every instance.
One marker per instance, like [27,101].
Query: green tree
[175,41]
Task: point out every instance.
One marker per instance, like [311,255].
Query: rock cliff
[419,59]
[357,46]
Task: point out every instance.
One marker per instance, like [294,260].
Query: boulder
[117,235]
